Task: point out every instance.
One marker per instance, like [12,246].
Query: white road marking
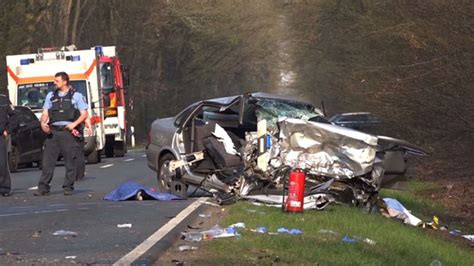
[33,188]
[107,165]
[12,214]
[129,160]
[159,234]
[46,211]
[144,155]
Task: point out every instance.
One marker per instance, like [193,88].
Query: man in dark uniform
[63,111]
[6,111]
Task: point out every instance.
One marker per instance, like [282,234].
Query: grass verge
[396,243]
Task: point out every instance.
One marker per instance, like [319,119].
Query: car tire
[164,176]
[13,159]
[109,146]
[119,149]
[93,157]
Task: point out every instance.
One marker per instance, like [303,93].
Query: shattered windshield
[33,95]
[273,109]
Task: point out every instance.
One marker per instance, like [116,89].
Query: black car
[26,142]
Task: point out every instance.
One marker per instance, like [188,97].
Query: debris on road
[187,248]
[124,225]
[65,233]
[71,257]
[36,234]
[293,231]
[393,208]
[212,233]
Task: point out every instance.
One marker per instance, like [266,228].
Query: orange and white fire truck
[96,73]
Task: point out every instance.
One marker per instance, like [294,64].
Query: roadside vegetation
[395,243]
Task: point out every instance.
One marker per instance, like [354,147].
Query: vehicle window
[106,77]
[184,114]
[272,109]
[33,95]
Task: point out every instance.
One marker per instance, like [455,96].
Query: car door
[21,139]
[36,133]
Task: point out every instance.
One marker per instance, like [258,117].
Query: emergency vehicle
[96,73]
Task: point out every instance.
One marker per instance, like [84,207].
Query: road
[27,223]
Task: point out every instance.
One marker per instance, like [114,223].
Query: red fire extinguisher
[295,198]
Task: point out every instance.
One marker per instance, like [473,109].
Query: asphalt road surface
[27,223]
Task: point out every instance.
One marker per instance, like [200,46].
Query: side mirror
[125,75]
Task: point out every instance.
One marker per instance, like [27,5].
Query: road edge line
[159,234]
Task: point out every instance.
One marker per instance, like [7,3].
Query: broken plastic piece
[65,233]
[294,231]
[238,225]
[186,248]
[202,215]
[261,230]
[348,239]
[192,236]
[325,231]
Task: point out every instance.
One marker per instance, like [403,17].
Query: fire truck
[96,73]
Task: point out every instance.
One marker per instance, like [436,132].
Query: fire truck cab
[96,73]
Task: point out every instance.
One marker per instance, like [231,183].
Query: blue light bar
[98,51]
[76,58]
[25,61]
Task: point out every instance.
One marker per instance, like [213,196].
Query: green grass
[396,244]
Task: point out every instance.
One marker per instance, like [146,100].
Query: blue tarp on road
[130,189]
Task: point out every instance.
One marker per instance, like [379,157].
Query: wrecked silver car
[244,147]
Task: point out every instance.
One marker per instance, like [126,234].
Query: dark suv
[26,142]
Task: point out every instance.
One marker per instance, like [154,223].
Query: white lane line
[107,165]
[57,205]
[33,188]
[13,214]
[159,234]
[129,160]
[48,211]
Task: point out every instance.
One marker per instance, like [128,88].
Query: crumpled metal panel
[326,149]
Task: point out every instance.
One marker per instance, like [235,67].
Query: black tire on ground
[164,176]
[94,157]
[109,146]
[119,149]
[13,159]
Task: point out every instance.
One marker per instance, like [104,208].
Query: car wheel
[93,157]
[119,149]
[13,159]
[164,175]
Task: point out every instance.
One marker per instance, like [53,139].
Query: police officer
[6,111]
[63,111]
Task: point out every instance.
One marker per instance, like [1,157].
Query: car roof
[229,99]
